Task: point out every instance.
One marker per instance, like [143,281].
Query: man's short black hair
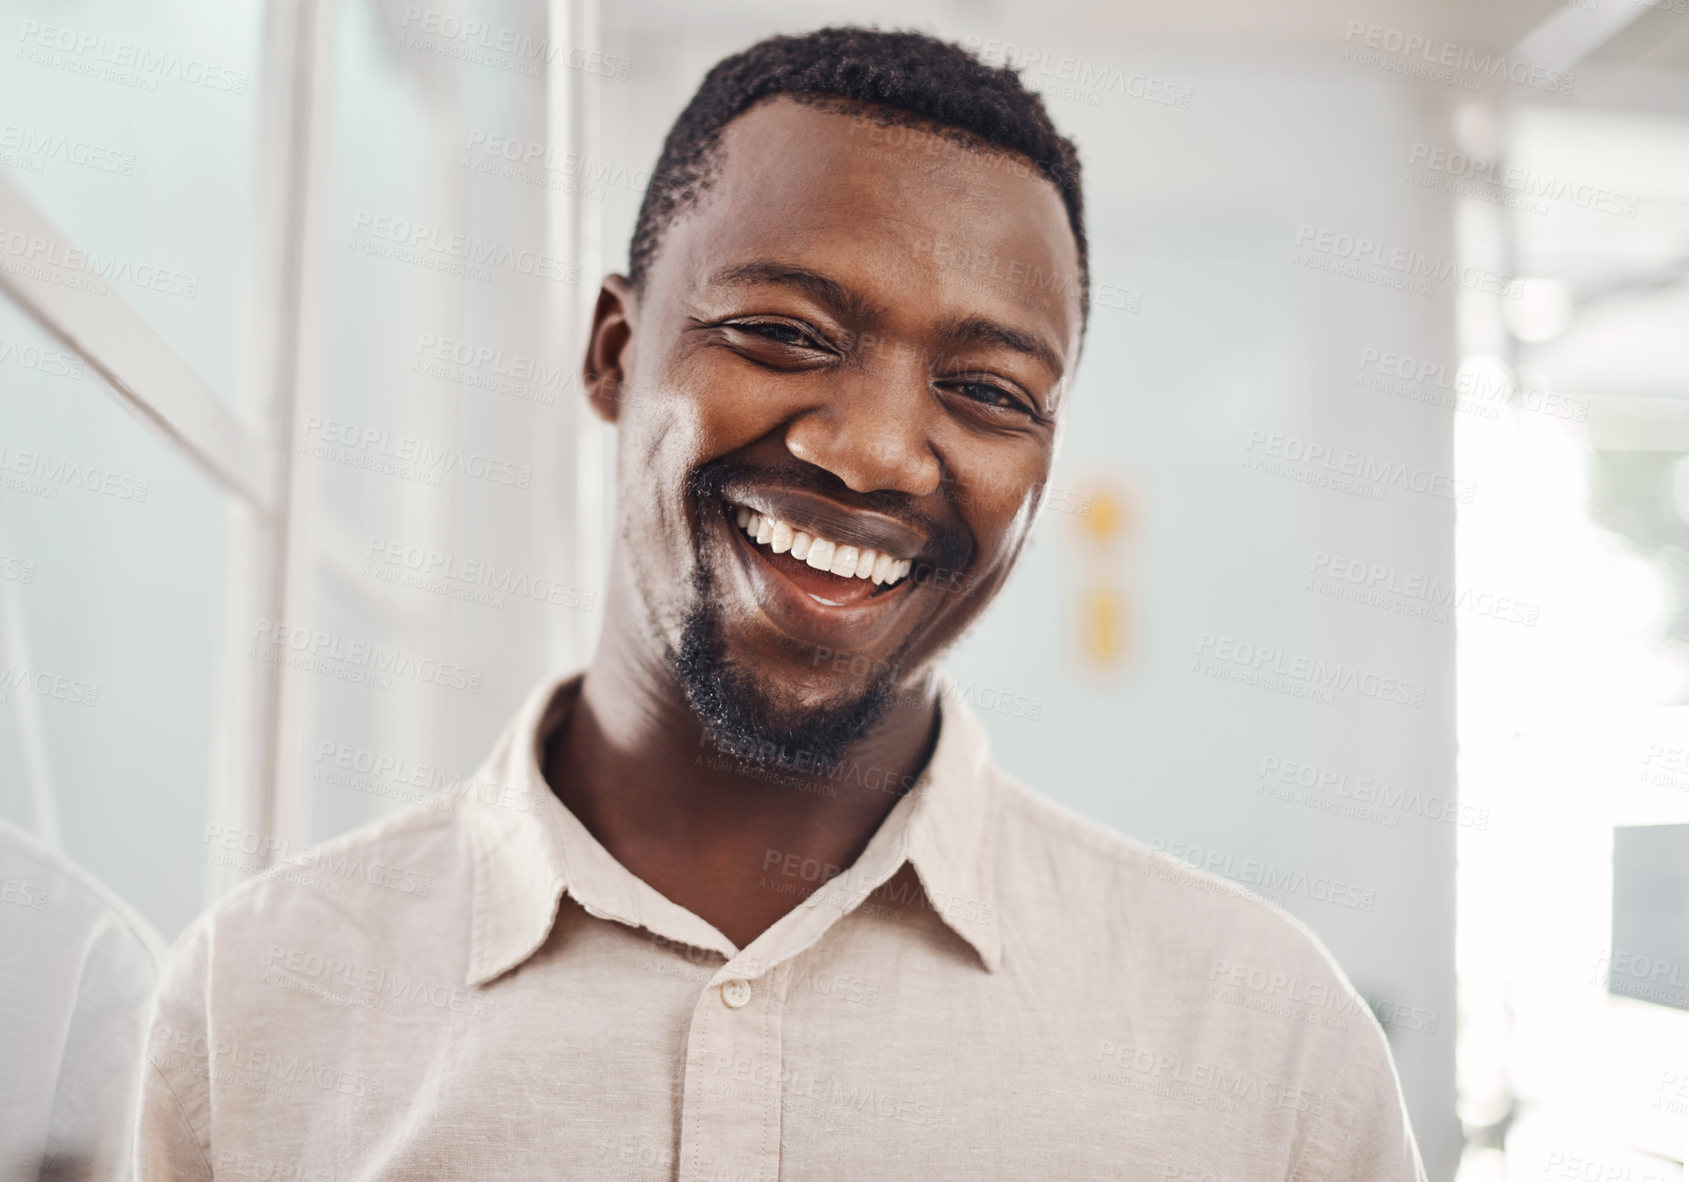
[907,77]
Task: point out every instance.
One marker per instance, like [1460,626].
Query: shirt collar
[527,848]
[952,834]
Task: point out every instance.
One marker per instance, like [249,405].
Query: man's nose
[872,433]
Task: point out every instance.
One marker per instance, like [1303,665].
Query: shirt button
[737,994]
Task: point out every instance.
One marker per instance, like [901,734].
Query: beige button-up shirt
[997,989]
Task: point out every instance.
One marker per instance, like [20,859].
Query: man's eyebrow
[856,308]
[849,305]
[977,330]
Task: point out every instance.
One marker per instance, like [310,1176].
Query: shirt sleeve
[1364,1135]
[172,1133]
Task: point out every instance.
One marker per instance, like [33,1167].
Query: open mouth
[832,573]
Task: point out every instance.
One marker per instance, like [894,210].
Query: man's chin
[742,708]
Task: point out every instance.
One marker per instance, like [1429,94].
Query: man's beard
[730,700]
[731,703]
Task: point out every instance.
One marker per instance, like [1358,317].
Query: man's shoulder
[1191,977]
[376,874]
[1159,905]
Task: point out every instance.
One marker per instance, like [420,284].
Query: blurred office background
[1387,376]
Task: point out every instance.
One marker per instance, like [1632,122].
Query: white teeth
[821,553]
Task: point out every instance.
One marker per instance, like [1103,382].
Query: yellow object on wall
[1104,609]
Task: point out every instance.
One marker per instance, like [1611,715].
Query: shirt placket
[730,1118]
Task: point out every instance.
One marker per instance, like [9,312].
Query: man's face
[865,335]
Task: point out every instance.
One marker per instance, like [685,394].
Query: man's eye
[774,330]
[990,395]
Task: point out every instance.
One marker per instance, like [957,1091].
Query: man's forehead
[870,208]
[793,135]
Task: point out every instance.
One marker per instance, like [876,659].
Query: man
[747,900]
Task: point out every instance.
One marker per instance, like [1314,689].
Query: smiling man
[747,900]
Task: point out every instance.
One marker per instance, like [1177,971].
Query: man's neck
[700,824]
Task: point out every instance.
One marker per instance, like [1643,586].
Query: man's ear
[609,348]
